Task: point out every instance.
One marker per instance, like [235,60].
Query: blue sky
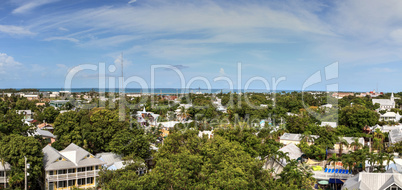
[43,40]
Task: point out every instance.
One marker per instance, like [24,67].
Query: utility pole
[25,173]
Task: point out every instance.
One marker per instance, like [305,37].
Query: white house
[277,165]
[395,135]
[390,116]
[288,138]
[331,124]
[390,180]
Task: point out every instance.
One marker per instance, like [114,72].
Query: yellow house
[71,167]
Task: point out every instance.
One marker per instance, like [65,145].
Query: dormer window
[60,158]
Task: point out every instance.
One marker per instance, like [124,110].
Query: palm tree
[380,160]
[348,161]
[342,142]
[389,158]
[356,144]
[371,160]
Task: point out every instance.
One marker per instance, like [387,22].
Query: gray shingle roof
[293,151]
[71,157]
[373,181]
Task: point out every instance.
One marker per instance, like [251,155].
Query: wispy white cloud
[27,6]
[132,1]
[62,38]
[15,30]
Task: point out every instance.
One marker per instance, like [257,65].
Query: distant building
[144,117]
[288,138]
[46,135]
[26,113]
[385,104]
[340,95]
[31,97]
[209,134]
[71,167]
[395,135]
[331,124]
[277,165]
[115,162]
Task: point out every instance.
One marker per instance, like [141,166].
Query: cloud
[8,61]
[26,7]
[15,30]
[132,1]
[62,38]
[63,29]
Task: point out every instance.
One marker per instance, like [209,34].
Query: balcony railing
[2,179]
[70,176]
[325,175]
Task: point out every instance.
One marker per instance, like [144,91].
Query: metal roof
[71,157]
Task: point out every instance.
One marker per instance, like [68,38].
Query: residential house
[340,95]
[277,165]
[209,134]
[40,104]
[326,106]
[288,138]
[58,103]
[395,135]
[385,104]
[390,116]
[26,113]
[346,149]
[31,97]
[71,167]
[46,135]
[144,117]
[115,162]
[390,180]
[3,174]
[331,124]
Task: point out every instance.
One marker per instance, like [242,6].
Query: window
[81,169]
[89,168]
[61,171]
[71,182]
[96,167]
[51,172]
[81,181]
[90,180]
[71,170]
[1,173]
[62,184]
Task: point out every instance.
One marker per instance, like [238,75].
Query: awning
[337,181]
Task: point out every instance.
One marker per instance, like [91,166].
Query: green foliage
[130,142]
[13,148]
[356,117]
[11,123]
[186,161]
[49,114]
